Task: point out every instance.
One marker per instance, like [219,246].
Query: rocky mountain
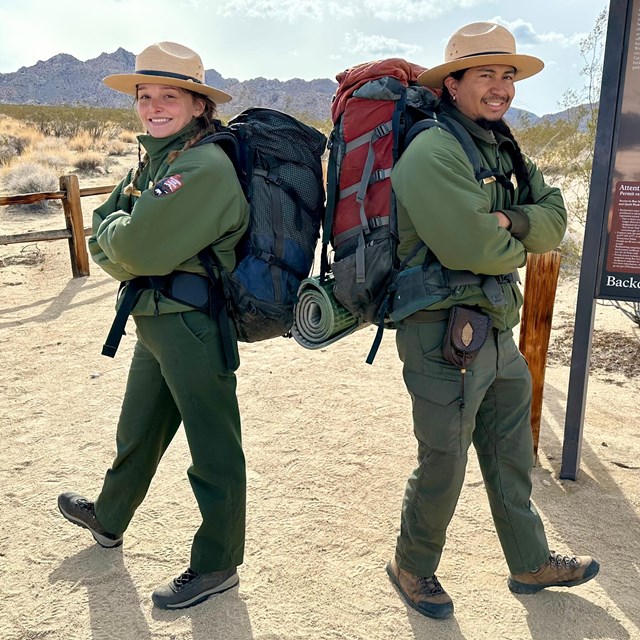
[64,79]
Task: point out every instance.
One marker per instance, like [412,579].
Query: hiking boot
[425,595]
[191,588]
[557,571]
[80,511]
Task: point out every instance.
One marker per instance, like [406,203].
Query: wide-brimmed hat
[167,63]
[477,44]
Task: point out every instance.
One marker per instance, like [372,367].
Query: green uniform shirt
[183,207]
[441,202]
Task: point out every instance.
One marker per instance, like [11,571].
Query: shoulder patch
[168,185]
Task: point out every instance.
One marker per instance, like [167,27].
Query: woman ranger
[181,198]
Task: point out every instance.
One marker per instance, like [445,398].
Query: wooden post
[73,217]
[535,326]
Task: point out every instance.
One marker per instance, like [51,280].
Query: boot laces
[185,578]
[85,505]
[563,562]
[430,586]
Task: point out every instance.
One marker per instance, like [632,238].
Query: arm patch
[167,185]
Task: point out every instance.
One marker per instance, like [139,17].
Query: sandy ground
[329,446]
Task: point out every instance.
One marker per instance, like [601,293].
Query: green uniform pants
[179,374]
[489,407]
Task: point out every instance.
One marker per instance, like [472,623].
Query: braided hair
[207,123]
[497,126]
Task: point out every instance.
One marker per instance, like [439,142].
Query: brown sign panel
[620,269]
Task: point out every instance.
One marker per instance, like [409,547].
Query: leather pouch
[467,331]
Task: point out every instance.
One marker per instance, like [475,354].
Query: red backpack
[377,110]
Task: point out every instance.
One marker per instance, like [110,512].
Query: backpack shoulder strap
[232,146]
[460,134]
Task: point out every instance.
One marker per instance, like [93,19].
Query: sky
[306,39]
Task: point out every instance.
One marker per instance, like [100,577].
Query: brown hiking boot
[557,571]
[425,595]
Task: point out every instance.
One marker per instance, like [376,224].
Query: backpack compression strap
[210,261]
[386,302]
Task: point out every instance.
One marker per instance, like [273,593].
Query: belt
[424,315]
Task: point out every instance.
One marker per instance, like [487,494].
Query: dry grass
[23,144]
[129,137]
[31,177]
[50,152]
[15,138]
[82,142]
[117,148]
[90,162]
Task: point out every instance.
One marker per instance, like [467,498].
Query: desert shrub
[81,142]
[89,161]
[52,152]
[67,121]
[117,148]
[31,177]
[7,151]
[11,146]
[15,138]
[128,137]
[571,250]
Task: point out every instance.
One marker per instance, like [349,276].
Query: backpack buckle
[381,130]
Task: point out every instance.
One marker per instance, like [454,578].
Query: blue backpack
[278,162]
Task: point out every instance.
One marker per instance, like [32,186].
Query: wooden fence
[75,232]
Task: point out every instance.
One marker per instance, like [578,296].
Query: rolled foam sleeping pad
[319,319]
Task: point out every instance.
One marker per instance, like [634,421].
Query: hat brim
[526,66]
[128,82]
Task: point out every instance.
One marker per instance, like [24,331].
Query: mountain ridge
[63,79]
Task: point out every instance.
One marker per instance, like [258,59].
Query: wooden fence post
[73,218]
[535,326]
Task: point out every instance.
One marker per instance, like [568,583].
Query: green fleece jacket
[182,207]
[441,202]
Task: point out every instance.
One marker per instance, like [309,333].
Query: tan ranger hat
[167,63]
[477,44]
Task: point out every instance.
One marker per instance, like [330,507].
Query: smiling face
[483,92]
[165,110]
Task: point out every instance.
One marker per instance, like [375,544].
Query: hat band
[168,74]
[488,53]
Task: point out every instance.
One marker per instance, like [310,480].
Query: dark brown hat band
[488,53]
[168,74]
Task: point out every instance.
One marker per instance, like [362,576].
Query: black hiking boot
[80,511]
[191,588]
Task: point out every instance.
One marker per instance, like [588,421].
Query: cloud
[377,46]
[410,10]
[281,10]
[294,10]
[526,35]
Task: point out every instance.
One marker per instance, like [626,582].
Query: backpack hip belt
[419,287]
[192,289]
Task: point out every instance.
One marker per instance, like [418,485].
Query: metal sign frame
[621,21]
